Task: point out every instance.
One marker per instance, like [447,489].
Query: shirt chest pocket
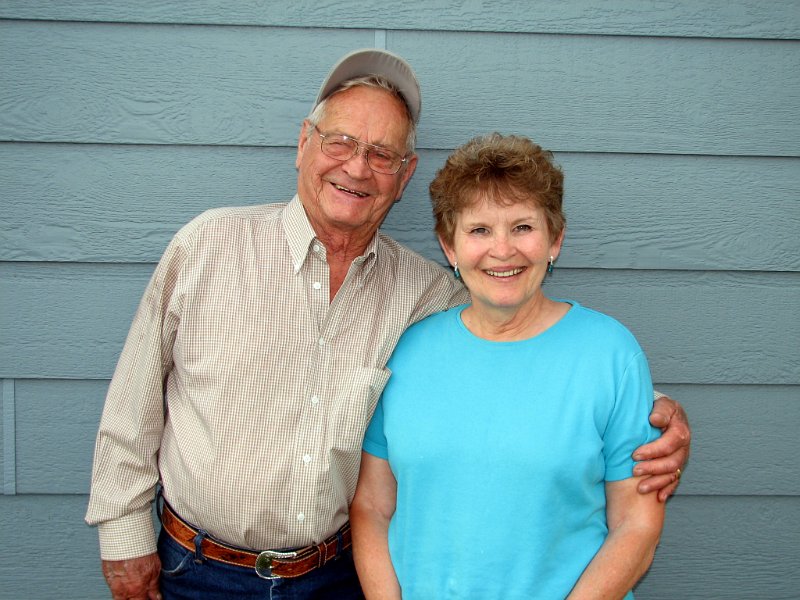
[355,394]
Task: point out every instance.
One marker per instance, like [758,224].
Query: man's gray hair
[372,81]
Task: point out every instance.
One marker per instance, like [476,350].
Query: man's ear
[302,142]
[408,173]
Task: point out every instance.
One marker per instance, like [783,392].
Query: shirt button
[306,458]
[321,341]
[317,285]
[315,400]
[315,247]
[301,517]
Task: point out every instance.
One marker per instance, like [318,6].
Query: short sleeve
[375,439]
[629,426]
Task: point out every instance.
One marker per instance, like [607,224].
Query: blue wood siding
[677,124]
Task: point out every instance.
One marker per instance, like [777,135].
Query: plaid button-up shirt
[244,389]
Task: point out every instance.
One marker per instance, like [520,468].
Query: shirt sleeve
[125,471]
[444,292]
[375,439]
[629,426]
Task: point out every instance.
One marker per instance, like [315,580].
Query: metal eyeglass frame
[365,150]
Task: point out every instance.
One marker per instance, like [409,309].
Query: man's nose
[357,165]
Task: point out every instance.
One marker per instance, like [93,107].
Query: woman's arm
[370,513]
[634,527]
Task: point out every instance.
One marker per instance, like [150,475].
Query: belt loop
[198,547]
[339,542]
[159,502]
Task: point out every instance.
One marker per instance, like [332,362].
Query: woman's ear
[555,247]
[448,251]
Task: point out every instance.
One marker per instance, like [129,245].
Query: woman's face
[502,254]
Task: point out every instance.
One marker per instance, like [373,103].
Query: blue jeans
[187,576]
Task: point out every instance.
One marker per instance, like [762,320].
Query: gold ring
[677,475]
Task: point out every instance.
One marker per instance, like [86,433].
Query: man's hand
[665,458]
[133,579]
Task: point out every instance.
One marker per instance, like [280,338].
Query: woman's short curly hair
[504,168]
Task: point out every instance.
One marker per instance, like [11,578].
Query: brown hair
[506,169]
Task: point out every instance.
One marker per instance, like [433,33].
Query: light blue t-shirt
[501,451]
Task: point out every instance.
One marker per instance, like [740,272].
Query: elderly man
[256,358]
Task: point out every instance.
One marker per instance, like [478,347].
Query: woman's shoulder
[434,323]
[429,330]
[593,324]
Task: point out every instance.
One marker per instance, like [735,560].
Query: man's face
[347,197]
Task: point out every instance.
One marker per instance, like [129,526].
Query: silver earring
[550,265]
[455,270]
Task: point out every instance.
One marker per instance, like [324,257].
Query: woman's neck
[498,325]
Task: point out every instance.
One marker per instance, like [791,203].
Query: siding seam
[9,439]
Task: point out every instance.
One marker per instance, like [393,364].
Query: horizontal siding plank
[251,86]
[731,455]
[82,82]
[711,18]
[609,94]
[70,320]
[744,439]
[724,548]
[619,207]
[87,203]
[84,315]
[57,422]
[95,203]
[38,528]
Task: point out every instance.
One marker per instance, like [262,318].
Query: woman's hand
[664,459]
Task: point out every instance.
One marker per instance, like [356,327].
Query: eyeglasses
[343,147]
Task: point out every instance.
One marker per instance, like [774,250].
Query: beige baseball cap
[372,61]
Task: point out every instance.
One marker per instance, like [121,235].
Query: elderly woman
[498,462]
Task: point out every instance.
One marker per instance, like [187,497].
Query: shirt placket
[312,498]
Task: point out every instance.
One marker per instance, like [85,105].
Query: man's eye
[382,156]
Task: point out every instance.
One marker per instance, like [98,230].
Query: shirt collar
[301,238]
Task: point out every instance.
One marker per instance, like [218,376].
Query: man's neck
[340,251]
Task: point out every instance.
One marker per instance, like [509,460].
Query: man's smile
[356,193]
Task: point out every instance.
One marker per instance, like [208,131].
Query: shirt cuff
[657,395]
[128,537]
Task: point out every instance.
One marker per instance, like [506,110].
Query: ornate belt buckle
[264,562]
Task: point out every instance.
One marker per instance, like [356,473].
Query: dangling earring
[455,270]
[550,265]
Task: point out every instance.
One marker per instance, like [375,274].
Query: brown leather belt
[269,563]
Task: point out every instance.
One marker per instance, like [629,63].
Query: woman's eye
[479,230]
[523,228]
